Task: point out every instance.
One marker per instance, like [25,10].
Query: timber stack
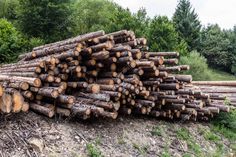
[103,75]
[227,89]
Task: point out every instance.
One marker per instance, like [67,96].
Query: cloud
[209,11]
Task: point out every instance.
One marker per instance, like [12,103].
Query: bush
[11,42]
[225,123]
[34,42]
[198,66]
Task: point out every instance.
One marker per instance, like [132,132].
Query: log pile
[103,75]
[227,89]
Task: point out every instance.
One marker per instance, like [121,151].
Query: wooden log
[111,93]
[177,101]
[49,92]
[215,83]
[172,61]
[1,90]
[112,115]
[168,54]
[45,109]
[32,81]
[93,88]
[169,86]
[66,99]
[183,78]
[99,96]
[19,85]
[6,103]
[63,112]
[25,107]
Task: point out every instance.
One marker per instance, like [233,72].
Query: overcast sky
[222,12]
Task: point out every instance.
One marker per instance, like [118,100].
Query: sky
[222,12]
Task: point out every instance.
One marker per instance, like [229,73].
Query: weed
[157,131]
[142,150]
[187,155]
[93,151]
[166,153]
[183,134]
[194,147]
[98,141]
[121,140]
[208,135]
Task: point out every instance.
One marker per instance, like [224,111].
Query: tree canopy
[163,36]
[10,42]
[215,47]
[46,19]
[187,24]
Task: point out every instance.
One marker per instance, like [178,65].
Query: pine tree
[187,24]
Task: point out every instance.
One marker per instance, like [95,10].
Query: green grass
[158,131]
[184,134]
[93,151]
[165,153]
[225,123]
[211,136]
[217,75]
[141,149]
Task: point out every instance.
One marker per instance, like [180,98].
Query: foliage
[215,47]
[163,37]
[93,15]
[34,42]
[231,35]
[227,120]
[158,131]
[208,135]
[217,75]
[47,19]
[198,66]
[8,9]
[184,134]
[93,151]
[11,42]
[187,24]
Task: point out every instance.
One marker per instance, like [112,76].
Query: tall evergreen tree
[162,36]
[46,19]
[187,24]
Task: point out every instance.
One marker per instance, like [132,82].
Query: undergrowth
[184,134]
[93,151]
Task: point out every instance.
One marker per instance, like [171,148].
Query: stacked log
[103,75]
[226,89]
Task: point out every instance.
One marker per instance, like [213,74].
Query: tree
[46,19]
[187,24]
[163,37]
[215,47]
[92,15]
[231,35]
[8,9]
[10,42]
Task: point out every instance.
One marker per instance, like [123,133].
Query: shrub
[198,66]
[10,42]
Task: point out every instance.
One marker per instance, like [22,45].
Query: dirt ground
[124,137]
